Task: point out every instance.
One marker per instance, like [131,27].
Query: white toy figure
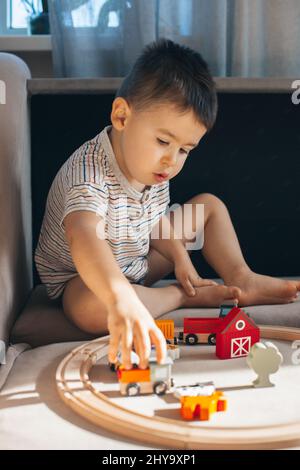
[264,359]
[199,389]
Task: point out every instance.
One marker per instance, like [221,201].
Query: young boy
[108,197]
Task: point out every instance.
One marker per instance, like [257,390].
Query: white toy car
[198,389]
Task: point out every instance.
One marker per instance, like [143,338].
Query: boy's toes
[298,286]
[296,296]
[293,288]
[286,290]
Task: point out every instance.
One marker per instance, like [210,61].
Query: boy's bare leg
[222,251]
[89,313]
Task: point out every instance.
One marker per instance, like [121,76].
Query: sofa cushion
[34,417]
[43,321]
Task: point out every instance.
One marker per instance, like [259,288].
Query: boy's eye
[162,142]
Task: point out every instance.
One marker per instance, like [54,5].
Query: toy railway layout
[234,335]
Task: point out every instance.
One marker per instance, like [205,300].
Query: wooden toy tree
[264,359]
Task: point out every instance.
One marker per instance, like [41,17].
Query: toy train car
[168,329]
[155,379]
[200,330]
[173,352]
[233,332]
[195,330]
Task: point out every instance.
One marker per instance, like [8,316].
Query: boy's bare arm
[93,257]
[128,319]
[170,244]
[166,241]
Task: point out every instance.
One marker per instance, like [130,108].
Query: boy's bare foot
[258,289]
[212,296]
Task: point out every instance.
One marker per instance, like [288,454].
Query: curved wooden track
[77,391]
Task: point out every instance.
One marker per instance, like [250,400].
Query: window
[87,14]
[240,325]
[14,13]
[13,16]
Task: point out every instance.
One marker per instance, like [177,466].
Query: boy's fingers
[199,282]
[186,284]
[160,344]
[144,360]
[113,346]
[127,340]
[206,282]
[144,342]
[137,348]
[182,279]
[189,288]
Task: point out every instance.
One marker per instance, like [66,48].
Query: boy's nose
[170,160]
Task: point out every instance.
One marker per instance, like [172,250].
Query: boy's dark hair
[170,72]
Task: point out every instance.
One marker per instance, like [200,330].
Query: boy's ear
[120,113]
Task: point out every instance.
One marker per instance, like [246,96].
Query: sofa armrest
[15,192]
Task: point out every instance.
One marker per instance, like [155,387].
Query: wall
[250,160]
[36,51]
[39,62]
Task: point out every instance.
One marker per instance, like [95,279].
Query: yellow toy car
[200,400]
[202,407]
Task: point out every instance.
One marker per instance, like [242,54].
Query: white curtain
[250,38]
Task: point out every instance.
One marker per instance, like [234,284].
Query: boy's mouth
[161,176]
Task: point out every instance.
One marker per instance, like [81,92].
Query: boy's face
[144,147]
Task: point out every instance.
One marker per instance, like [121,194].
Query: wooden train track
[78,392]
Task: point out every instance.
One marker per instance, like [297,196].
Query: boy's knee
[95,326]
[210,200]
[92,321]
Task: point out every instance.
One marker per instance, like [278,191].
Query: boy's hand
[188,277]
[131,325]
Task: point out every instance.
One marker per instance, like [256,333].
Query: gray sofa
[36,333]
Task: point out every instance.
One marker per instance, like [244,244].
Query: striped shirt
[91,180]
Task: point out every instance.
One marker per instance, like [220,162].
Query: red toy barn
[236,334]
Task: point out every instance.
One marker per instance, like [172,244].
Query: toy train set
[142,416]
[233,333]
